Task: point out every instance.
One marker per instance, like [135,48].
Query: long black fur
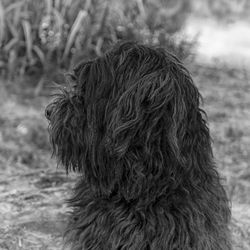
[132,126]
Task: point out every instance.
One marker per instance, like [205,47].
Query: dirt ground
[33,189]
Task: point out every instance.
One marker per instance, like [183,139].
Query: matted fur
[132,126]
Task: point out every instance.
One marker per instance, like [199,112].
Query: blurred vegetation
[223,10]
[39,37]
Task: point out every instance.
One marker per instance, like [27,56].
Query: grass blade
[2,23]
[104,17]
[77,25]
[48,6]
[11,28]
[13,6]
[40,54]
[11,44]
[28,38]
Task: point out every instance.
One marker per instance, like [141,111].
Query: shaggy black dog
[132,126]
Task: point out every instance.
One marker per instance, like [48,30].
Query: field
[33,189]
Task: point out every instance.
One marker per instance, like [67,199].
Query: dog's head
[131,123]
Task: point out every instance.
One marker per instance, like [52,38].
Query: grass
[37,37]
[33,189]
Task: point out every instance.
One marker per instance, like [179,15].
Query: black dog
[132,126]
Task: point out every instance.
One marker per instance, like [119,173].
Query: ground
[33,189]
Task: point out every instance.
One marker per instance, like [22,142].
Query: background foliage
[37,36]
[223,10]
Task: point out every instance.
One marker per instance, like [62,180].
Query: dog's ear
[159,114]
[160,105]
[143,131]
[139,111]
[193,132]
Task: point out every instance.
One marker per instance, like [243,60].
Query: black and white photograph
[124,125]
